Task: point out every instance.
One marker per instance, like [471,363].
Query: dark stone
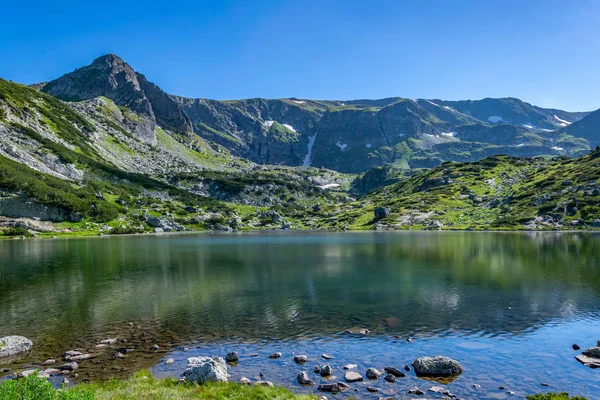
[303,379]
[395,371]
[437,366]
[381,212]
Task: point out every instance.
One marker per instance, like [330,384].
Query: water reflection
[288,286]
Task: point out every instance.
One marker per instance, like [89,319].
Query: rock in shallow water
[263,383]
[303,379]
[330,387]
[232,357]
[326,370]
[591,362]
[245,381]
[14,345]
[373,373]
[300,359]
[437,366]
[205,369]
[592,352]
[416,390]
[353,377]
[395,371]
[275,355]
[72,366]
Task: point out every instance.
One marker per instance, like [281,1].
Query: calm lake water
[508,306]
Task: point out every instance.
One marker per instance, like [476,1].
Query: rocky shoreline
[325,377]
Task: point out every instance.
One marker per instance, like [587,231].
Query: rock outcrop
[111,77]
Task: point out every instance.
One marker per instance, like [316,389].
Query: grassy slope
[141,386]
[497,192]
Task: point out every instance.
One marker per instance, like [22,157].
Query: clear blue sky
[545,52]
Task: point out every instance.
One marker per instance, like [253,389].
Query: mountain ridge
[400,132]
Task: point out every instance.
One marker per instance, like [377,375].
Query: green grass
[34,388]
[554,396]
[139,387]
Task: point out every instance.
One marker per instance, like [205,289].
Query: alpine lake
[507,306]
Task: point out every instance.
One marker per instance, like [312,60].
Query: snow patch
[521,145]
[495,119]
[562,122]
[528,126]
[449,134]
[311,143]
[342,146]
[558,148]
[369,145]
[299,101]
[291,128]
[329,186]
[269,123]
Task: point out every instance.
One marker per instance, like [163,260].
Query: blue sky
[544,52]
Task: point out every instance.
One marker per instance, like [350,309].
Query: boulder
[437,366]
[72,366]
[591,362]
[330,387]
[71,353]
[300,359]
[303,379]
[416,391]
[352,376]
[14,345]
[326,370]
[390,378]
[263,383]
[205,369]
[381,212]
[245,381]
[373,373]
[394,371]
[441,390]
[232,357]
[592,352]
[275,355]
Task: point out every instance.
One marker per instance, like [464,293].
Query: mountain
[111,77]
[347,136]
[103,150]
[587,128]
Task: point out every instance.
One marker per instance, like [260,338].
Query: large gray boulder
[437,366]
[205,369]
[381,212]
[14,345]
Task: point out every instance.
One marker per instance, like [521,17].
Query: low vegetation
[554,396]
[141,386]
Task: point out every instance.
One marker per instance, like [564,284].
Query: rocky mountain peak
[111,77]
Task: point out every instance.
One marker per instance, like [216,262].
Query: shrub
[16,232]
